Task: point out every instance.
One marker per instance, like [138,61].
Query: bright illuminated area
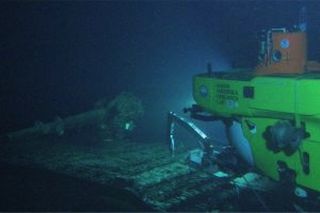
[160,106]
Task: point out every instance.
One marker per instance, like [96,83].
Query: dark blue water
[58,58]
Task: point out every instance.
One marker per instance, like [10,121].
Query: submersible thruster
[276,105]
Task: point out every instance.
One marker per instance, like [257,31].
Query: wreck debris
[116,118]
[123,112]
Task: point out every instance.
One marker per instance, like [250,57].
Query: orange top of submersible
[286,53]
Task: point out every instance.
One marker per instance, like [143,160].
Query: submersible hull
[277,104]
[259,103]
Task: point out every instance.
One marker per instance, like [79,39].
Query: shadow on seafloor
[30,189]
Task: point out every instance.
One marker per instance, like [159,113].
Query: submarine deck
[128,175]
